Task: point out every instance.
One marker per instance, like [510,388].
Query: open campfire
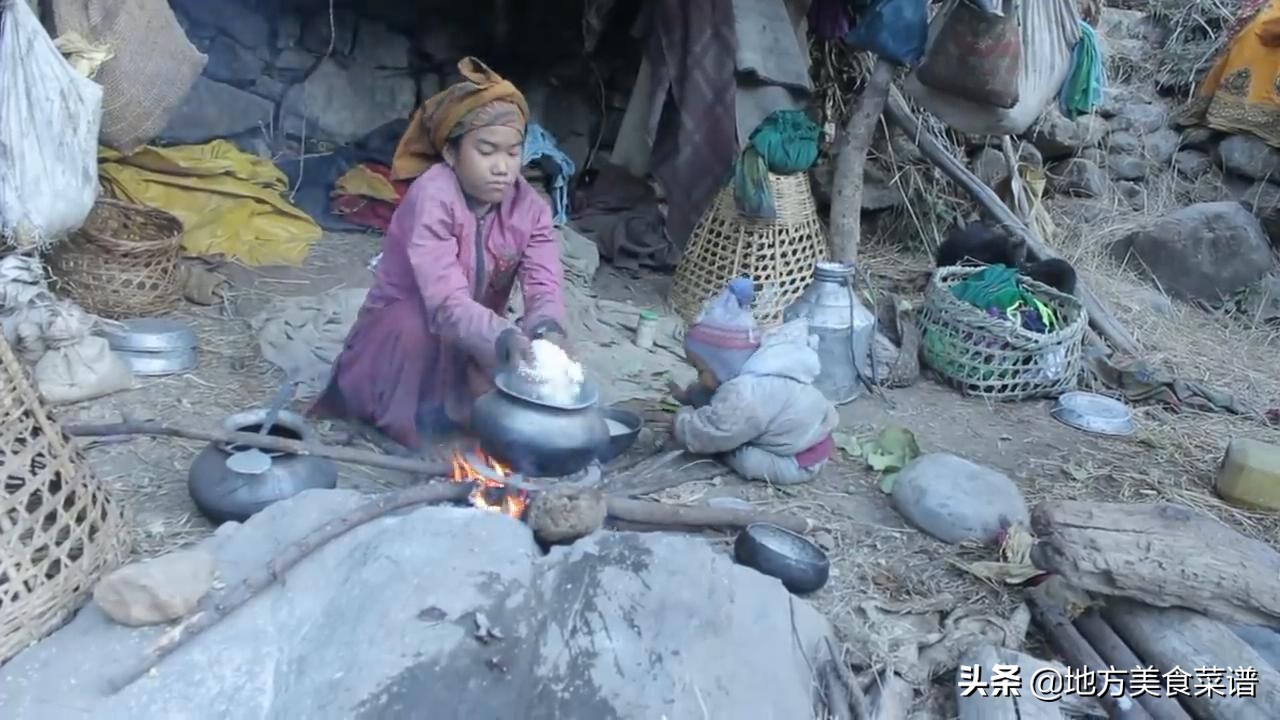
[492,492]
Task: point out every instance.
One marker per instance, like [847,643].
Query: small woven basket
[122,263]
[59,531]
[778,255]
[994,357]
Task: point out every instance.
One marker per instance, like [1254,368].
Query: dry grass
[1198,32]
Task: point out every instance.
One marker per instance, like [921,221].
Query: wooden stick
[851,161]
[899,113]
[1053,620]
[228,601]
[419,466]
[1189,641]
[655,513]
[1117,654]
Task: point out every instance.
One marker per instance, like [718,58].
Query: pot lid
[150,335]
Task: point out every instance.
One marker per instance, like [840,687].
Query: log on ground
[1177,641]
[1161,554]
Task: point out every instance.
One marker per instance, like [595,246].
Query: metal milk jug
[844,328]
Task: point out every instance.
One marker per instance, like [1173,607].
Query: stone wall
[280,68]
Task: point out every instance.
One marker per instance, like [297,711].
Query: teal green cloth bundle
[784,143]
[1087,81]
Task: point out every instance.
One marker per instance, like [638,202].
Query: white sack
[82,370]
[49,121]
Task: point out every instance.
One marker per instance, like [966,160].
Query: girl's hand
[562,341]
[512,349]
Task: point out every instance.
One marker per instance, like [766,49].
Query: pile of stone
[292,68]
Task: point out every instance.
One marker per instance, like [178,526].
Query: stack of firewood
[1151,591]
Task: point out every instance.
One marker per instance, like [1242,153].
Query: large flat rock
[382,623]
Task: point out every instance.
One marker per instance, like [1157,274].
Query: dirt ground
[149,474]
[874,554]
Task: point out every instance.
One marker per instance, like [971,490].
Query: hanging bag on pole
[1050,30]
[976,55]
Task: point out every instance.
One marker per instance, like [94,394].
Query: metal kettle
[844,328]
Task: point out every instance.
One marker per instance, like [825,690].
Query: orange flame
[513,500]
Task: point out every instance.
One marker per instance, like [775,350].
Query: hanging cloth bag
[976,56]
[1050,30]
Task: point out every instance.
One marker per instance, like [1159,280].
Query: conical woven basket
[59,531]
[778,255]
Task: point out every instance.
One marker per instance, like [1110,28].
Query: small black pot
[622,442]
[777,552]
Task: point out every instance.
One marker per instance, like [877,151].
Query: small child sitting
[755,403]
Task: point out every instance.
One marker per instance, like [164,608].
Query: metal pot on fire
[537,438]
[221,494]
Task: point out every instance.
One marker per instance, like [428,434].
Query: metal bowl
[777,552]
[150,335]
[1093,413]
[169,362]
[514,385]
[620,442]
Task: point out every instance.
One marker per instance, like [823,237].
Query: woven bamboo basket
[994,357]
[778,255]
[122,263]
[59,531]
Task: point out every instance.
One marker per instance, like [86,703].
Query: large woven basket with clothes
[993,356]
[778,254]
[59,530]
[122,263]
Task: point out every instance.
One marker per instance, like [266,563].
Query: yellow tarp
[231,202]
[364,182]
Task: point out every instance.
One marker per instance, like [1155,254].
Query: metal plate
[518,388]
[1093,413]
[159,363]
[150,335]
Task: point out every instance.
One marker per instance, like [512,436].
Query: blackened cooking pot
[537,438]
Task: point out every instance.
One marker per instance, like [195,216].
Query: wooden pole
[1068,641]
[648,512]
[230,600]
[1189,641]
[418,466]
[899,113]
[851,162]
[1116,653]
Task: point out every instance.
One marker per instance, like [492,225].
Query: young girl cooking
[758,407]
[432,330]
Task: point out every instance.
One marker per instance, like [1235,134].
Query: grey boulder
[449,613]
[1248,156]
[1201,252]
[1077,177]
[955,500]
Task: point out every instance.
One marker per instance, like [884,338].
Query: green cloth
[785,143]
[751,189]
[1087,81]
[995,286]
[788,142]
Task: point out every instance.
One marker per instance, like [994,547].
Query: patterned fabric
[1241,92]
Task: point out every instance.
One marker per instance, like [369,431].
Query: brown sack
[976,56]
[151,72]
